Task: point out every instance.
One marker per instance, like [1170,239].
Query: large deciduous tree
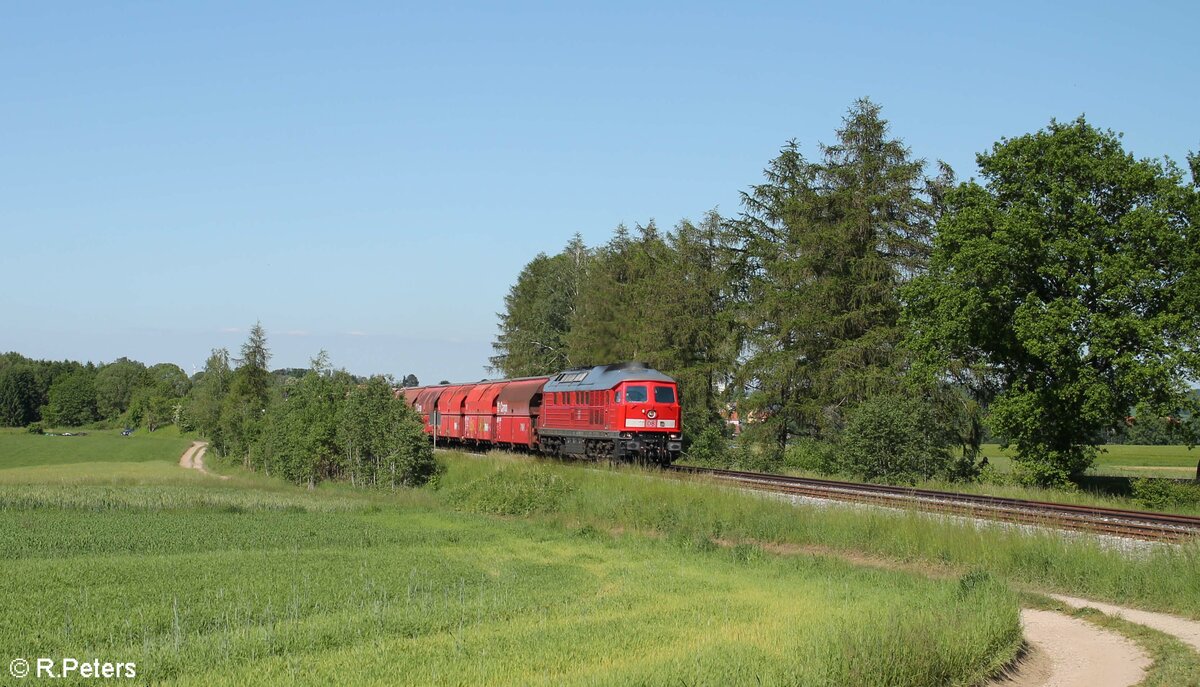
[1068,279]
[116,384]
[298,433]
[202,407]
[72,399]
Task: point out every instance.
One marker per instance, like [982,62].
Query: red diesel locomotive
[625,411]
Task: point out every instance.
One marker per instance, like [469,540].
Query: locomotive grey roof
[603,377]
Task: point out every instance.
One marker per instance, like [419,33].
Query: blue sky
[370,178]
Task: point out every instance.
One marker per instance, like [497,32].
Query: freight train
[620,412]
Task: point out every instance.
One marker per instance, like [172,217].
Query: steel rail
[1111,521]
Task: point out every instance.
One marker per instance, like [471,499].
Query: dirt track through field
[1069,652]
[1187,631]
[193,458]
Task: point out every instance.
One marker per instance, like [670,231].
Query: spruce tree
[822,248]
[538,312]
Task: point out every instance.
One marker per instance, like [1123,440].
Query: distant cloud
[296,332]
[230,330]
[356,332]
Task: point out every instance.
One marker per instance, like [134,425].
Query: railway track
[1159,527]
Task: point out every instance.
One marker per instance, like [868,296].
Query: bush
[1156,493]
[710,448]
[512,491]
[893,438]
[965,466]
[989,474]
[36,428]
[1036,473]
[755,456]
[811,455]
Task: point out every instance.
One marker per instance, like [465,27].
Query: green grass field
[1123,460]
[127,557]
[19,448]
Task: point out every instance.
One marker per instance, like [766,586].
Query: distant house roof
[603,377]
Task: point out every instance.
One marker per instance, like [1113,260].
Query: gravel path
[1187,631]
[1069,652]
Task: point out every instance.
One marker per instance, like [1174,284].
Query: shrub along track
[1160,527]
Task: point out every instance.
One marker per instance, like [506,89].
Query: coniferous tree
[538,312]
[18,395]
[702,345]
[622,287]
[822,248]
[249,394]
[661,300]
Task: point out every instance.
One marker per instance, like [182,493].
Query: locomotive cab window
[635,394]
[617,397]
[664,394]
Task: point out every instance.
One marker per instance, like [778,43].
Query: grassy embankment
[703,513]
[250,581]
[1162,577]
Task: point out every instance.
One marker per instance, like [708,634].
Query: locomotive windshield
[664,394]
[635,394]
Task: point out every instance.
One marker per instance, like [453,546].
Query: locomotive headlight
[652,414]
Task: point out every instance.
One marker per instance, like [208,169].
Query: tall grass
[1158,577]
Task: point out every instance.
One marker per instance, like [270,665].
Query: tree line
[303,425]
[71,394]
[866,312]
